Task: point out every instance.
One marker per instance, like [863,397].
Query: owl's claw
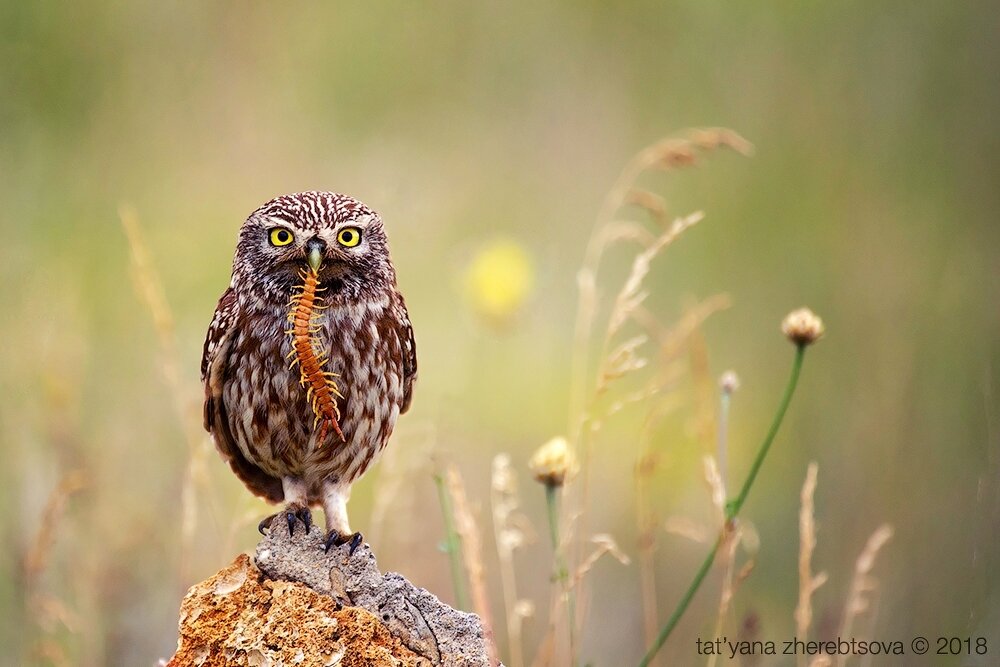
[335,539]
[291,514]
[305,516]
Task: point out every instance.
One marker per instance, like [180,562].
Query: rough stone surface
[239,617]
[295,604]
[424,624]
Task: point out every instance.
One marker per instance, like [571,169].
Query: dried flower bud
[802,326]
[729,382]
[553,462]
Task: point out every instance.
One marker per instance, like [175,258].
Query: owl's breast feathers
[257,410]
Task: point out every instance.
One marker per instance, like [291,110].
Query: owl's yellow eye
[349,237]
[280,236]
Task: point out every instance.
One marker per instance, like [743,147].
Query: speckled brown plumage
[255,406]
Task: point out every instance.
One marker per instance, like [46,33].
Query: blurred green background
[872,197]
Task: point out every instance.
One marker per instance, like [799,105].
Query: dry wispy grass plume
[808,582]
[195,496]
[673,347]
[640,361]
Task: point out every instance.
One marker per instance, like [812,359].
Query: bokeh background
[487,134]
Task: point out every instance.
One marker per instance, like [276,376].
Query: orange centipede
[321,387]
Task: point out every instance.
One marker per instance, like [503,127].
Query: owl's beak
[315,249]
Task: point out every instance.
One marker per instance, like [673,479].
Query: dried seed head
[553,462]
[802,327]
[729,382]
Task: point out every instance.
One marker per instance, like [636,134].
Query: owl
[309,358]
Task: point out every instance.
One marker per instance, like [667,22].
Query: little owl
[310,356]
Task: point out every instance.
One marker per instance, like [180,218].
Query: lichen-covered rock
[297,604]
[240,617]
[427,626]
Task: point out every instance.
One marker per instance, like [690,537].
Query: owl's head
[334,234]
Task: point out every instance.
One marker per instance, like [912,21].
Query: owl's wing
[218,330]
[409,350]
[214,371]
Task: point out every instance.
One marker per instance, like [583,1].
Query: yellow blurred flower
[553,462]
[498,280]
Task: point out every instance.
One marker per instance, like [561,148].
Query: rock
[240,617]
[295,604]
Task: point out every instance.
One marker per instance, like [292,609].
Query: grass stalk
[646,525]
[561,570]
[452,543]
[733,508]
[472,556]
[682,606]
[507,537]
[728,385]
[149,288]
[725,399]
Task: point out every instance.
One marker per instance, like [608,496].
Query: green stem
[452,544]
[722,445]
[562,572]
[733,508]
[682,606]
[551,503]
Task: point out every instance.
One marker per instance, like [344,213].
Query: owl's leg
[297,508]
[335,497]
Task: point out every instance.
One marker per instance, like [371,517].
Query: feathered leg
[297,507]
[335,497]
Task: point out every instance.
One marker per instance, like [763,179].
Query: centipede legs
[321,385]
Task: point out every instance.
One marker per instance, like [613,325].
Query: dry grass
[604,545]
[48,611]
[510,534]
[663,155]
[187,403]
[472,554]
[621,357]
[624,354]
[808,583]
[37,557]
[395,499]
[864,586]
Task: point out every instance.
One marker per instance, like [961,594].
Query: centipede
[307,352]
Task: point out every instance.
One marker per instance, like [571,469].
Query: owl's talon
[335,539]
[305,516]
[290,514]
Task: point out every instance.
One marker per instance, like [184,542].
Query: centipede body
[321,386]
